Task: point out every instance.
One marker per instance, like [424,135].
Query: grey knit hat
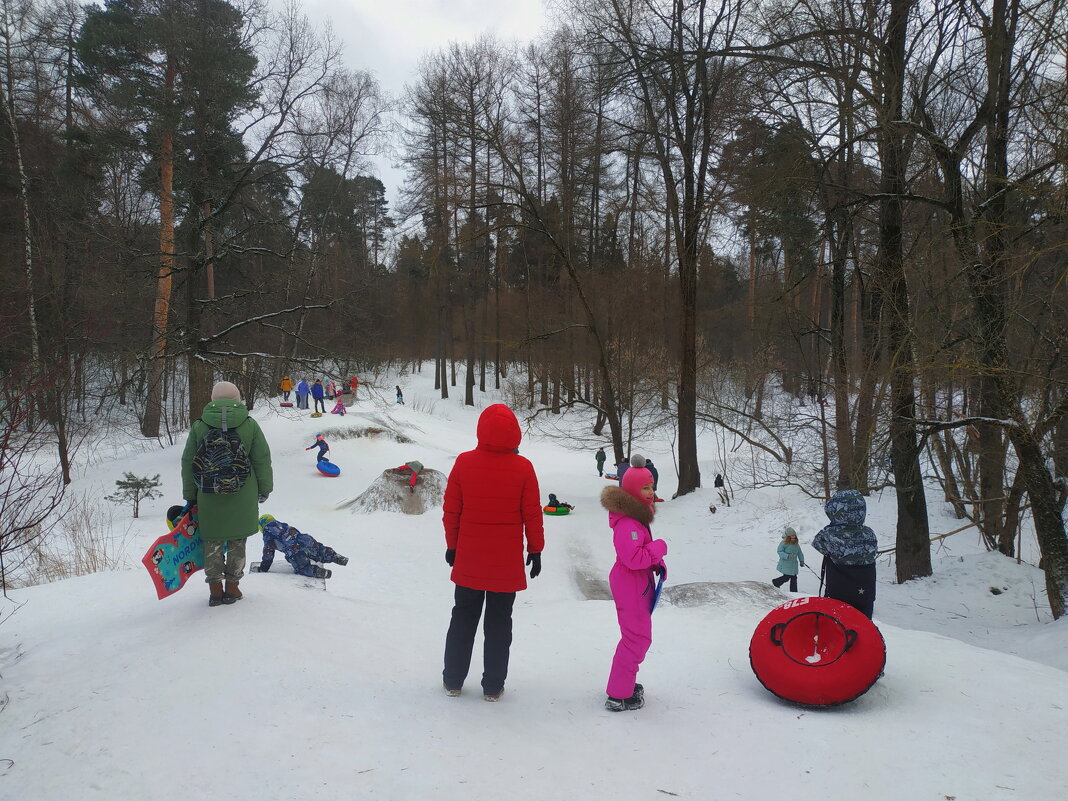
[789,532]
[637,460]
[224,390]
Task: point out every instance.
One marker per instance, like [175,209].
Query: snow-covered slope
[298,693]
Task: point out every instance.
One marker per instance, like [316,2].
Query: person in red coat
[491,500]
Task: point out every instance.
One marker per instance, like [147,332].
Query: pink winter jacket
[636,550]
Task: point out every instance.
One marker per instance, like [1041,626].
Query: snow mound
[721,593]
[366,425]
[390,493]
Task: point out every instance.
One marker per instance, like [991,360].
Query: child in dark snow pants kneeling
[300,550]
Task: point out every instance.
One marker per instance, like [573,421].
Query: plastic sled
[287,404]
[316,414]
[556,510]
[611,476]
[817,652]
[656,593]
[328,469]
[303,581]
[175,556]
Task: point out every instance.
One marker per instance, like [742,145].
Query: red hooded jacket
[492,495]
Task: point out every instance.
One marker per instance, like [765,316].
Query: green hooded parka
[235,516]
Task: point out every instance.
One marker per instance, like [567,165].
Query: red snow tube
[817,652]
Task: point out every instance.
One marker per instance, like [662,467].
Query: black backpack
[220,465]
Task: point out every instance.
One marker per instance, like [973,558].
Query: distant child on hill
[400,395]
[789,556]
[339,407]
[638,559]
[299,549]
[554,502]
[324,449]
[415,468]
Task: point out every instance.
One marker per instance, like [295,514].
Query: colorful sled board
[287,404]
[817,652]
[611,476]
[175,556]
[556,510]
[328,468]
[316,414]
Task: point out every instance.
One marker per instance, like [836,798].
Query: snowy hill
[297,693]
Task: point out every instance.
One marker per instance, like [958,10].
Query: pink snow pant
[632,591]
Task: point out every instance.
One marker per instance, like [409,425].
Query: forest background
[836,231]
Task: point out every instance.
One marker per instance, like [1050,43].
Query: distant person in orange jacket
[286,385]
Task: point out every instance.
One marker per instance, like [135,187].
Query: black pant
[320,405]
[285,395]
[854,584]
[460,640]
[778,582]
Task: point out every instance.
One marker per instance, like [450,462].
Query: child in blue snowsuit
[324,449]
[299,549]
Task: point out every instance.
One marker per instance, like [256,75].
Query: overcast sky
[388,37]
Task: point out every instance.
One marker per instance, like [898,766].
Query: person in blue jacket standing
[318,393]
[302,394]
[790,556]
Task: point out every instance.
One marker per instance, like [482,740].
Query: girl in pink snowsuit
[638,559]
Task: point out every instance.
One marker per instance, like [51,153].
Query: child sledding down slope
[638,558]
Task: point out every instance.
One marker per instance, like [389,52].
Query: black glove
[534,560]
[450,556]
[657,570]
[264,496]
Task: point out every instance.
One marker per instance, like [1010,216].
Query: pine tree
[134,490]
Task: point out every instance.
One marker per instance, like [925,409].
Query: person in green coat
[789,556]
[225,521]
[600,457]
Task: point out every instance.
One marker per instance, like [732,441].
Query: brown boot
[216,590]
[232,594]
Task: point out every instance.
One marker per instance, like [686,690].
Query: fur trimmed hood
[616,500]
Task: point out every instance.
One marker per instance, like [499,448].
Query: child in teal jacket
[789,556]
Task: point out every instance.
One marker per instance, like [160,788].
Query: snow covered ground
[298,693]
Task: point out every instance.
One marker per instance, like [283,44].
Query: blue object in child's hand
[658,590]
